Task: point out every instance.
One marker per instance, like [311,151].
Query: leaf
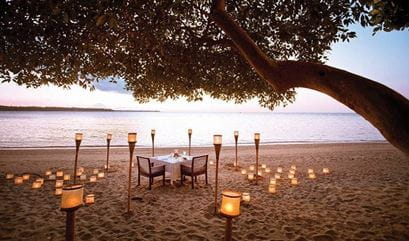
[101,20]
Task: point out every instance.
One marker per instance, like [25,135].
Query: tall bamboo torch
[236,138]
[132,138]
[109,138]
[217,142]
[189,132]
[153,131]
[78,139]
[257,142]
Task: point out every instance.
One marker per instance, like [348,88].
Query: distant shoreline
[38,108]
[266,144]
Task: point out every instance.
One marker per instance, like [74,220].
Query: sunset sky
[382,58]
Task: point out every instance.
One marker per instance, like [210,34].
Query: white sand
[366,197]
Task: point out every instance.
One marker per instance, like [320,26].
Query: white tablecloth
[172,164]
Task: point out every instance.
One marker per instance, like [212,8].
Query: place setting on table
[172,163]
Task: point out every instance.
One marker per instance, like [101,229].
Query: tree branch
[384,108]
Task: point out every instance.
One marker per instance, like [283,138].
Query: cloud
[105,85]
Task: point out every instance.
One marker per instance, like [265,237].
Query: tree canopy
[166,49]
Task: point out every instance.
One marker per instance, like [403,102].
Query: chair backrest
[199,162]
[144,164]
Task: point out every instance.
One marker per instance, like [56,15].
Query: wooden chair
[198,167]
[146,169]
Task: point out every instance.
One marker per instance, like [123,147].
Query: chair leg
[193,182]
[195,178]
[206,178]
[150,183]
[163,179]
[139,179]
[181,179]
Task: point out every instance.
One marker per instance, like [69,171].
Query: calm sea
[56,129]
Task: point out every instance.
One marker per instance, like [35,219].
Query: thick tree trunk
[384,108]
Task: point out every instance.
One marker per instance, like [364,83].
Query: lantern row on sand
[264,169]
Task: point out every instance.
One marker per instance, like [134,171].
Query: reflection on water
[38,129]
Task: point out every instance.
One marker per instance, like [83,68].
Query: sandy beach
[365,196]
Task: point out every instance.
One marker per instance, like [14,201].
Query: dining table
[172,164]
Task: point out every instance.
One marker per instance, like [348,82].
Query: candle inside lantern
[18,180]
[236,133]
[78,136]
[189,131]
[90,199]
[153,132]
[101,175]
[272,188]
[59,173]
[256,136]
[277,176]
[26,177]
[293,167]
[36,185]
[230,204]
[40,180]
[83,177]
[95,171]
[51,177]
[67,177]
[109,136]
[211,163]
[264,166]
[310,171]
[9,176]
[132,137]
[217,139]
[311,176]
[59,183]
[292,171]
[294,181]
[273,181]
[80,170]
[243,171]
[290,176]
[132,164]
[72,196]
[267,170]
[245,196]
[93,179]
[325,170]
[58,191]
[279,169]
[48,172]
[250,176]
[251,168]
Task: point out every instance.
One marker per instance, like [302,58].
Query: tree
[166,49]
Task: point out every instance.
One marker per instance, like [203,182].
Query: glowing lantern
[230,204]
[245,196]
[90,199]
[59,183]
[59,173]
[72,197]
[18,180]
[272,188]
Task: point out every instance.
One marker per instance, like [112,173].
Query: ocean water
[57,129]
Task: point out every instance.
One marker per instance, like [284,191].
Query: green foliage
[163,49]
[383,15]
